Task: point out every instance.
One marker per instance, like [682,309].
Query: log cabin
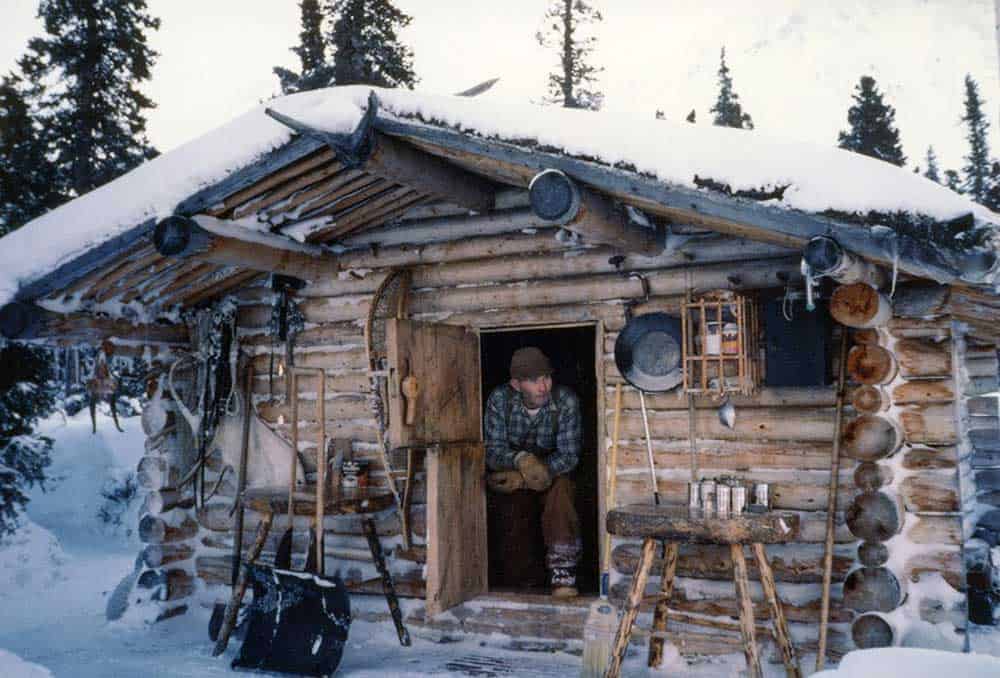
[379,235]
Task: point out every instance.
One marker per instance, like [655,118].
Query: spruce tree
[84,74]
[727,108]
[27,185]
[977,167]
[315,72]
[872,121]
[932,172]
[992,199]
[26,395]
[573,84]
[953,181]
[366,44]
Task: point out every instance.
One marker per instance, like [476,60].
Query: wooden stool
[675,524]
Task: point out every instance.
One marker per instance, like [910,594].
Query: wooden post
[662,603]
[632,604]
[745,606]
[240,586]
[777,614]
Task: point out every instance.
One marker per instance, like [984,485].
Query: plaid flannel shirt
[554,433]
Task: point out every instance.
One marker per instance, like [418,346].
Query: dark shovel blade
[297,623]
[283,557]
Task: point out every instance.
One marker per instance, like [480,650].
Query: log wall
[782,436]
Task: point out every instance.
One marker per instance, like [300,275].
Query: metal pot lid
[648,352]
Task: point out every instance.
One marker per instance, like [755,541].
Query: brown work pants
[534,536]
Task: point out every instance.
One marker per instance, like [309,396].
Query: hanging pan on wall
[648,356]
[648,352]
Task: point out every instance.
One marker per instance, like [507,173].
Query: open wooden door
[434,384]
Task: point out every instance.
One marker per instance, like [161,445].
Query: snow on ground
[913,663]
[57,571]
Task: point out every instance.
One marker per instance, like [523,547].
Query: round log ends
[873,553]
[872,589]
[870,437]
[869,399]
[874,516]
[870,476]
[859,305]
[871,364]
[872,630]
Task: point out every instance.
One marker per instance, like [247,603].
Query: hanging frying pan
[648,356]
[648,352]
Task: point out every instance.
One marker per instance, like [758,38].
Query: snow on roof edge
[818,178]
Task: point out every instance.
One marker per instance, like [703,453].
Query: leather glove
[505,482]
[536,474]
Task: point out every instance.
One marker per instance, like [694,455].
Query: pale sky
[794,63]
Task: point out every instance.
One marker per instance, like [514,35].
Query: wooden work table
[673,525]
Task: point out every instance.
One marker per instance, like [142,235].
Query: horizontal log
[518,257]
[558,199]
[807,424]
[725,606]
[204,238]
[331,336]
[946,561]
[929,424]
[871,364]
[977,386]
[216,517]
[766,397]
[872,589]
[164,585]
[19,320]
[677,524]
[731,455]
[337,407]
[796,563]
[923,358]
[869,437]
[350,359]
[157,555]
[155,473]
[572,290]
[922,458]
[350,382]
[859,305]
[985,439]
[870,399]
[920,391]
[875,516]
[936,329]
[982,367]
[871,476]
[932,491]
[930,529]
[159,501]
[920,300]
[155,530]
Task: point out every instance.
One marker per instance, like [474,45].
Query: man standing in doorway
[533,436]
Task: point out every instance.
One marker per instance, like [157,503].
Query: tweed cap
[529,363]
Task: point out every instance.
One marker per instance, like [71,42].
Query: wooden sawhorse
[674,524]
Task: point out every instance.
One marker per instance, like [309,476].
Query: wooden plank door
[456,525]
[443,363]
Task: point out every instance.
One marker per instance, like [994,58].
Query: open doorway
[572,352]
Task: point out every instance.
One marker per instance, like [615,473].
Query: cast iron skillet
[648,352]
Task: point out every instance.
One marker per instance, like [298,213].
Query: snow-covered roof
[810,178]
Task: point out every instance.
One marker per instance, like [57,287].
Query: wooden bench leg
[777,614]
[746,611]
[631,608]
[660,614]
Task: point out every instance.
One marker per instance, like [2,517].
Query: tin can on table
[723,499]
[707,492]
[694,494]
[762,494]
[739,500]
